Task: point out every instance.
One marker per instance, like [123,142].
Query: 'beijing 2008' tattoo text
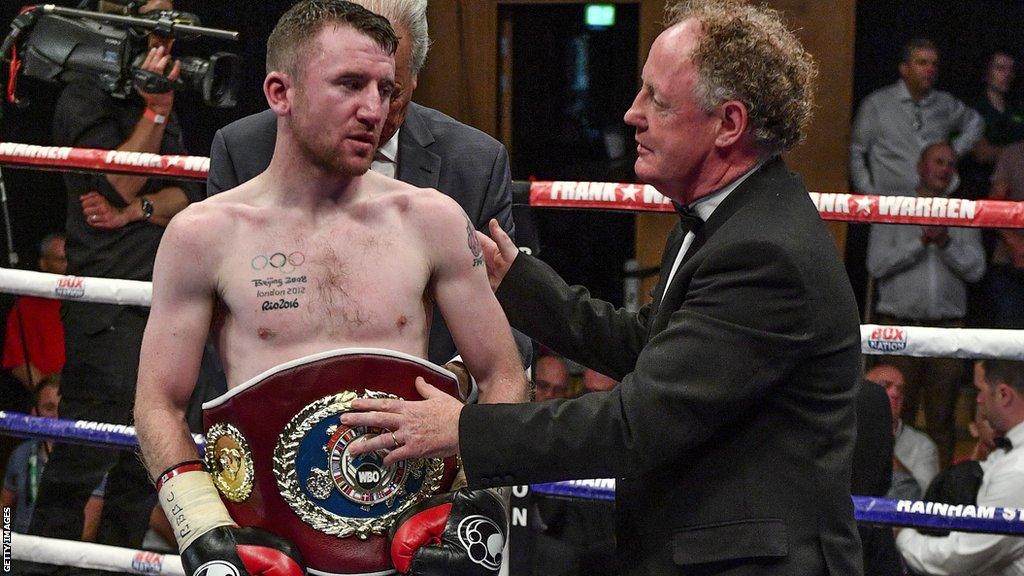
[474,244]
[283,285]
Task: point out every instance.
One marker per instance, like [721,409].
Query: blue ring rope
[867,509]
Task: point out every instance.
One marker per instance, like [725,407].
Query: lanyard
[35,472]
[33,477]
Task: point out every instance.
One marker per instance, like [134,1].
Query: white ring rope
[895,340]
[94,556]
[927,342]
[104,290]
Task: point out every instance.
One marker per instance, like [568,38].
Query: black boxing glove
[210,542]
[461,532]
[228,550]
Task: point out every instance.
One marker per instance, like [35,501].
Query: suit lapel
[416,164]
[669,299]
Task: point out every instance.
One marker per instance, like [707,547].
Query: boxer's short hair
[299,26]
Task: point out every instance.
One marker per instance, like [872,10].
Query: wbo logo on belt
[341,494]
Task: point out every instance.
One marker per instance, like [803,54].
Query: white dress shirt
[967,554]
[385,160]
[918,454]
[891,129]
[704,208]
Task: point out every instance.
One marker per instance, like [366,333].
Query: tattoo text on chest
[474,244]
[283,283]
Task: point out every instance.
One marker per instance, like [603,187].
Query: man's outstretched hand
[499,253]
[415,428]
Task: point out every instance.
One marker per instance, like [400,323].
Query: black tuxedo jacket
[434,151]
[731,433]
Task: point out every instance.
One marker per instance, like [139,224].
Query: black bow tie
[1004,443]
[688,218]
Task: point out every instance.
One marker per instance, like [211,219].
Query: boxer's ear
[277,87]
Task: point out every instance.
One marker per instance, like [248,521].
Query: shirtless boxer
[315,254]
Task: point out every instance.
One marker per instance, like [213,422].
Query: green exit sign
[600,15]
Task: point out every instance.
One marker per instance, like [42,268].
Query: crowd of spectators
[910,139]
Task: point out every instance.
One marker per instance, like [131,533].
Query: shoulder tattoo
[474,244]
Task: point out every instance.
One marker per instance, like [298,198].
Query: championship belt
[278,454]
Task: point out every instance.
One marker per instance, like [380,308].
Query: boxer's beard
[314,142]
[330,159]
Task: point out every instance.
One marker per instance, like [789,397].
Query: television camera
[54,43]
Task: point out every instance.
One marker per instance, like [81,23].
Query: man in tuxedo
[420,146]
[1000,399]
[731,432]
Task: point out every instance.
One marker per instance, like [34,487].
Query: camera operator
[114,225]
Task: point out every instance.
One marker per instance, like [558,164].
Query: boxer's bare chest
[288,288]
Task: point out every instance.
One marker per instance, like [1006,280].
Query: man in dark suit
[421,146]
[731,433]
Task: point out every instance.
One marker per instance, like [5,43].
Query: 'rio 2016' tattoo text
[281,304]
[474,244]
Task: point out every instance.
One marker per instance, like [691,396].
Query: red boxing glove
[461,532]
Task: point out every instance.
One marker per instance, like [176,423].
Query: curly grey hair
[746,53]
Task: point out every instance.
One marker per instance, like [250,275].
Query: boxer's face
[340,98]
[674,135]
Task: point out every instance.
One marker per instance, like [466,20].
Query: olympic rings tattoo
[279,261]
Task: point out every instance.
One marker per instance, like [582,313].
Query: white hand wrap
[191,503]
